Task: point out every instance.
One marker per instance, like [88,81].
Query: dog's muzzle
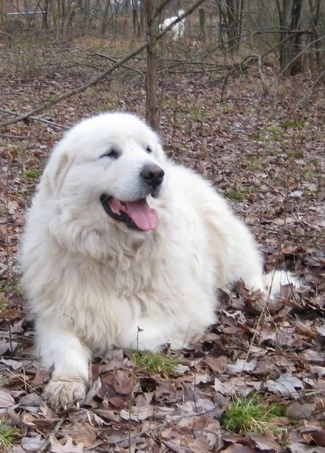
[152,175]
[137,214]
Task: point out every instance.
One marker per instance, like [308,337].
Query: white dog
[177,30]
[124,248]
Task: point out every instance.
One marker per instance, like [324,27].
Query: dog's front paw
[62,392]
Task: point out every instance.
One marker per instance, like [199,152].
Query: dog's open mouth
[137,215]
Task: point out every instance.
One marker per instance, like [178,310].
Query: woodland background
[238,95]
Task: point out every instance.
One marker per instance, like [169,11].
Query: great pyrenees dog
[124,248]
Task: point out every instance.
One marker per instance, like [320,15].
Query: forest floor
[261,143]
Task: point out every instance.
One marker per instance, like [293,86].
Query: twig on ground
[14,137]
[77,90]
[160,426]
[54,432]
[37,118]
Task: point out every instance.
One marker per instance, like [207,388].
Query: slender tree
[314,41]
[151,79]
[2,16]
[289,12]
[231,15]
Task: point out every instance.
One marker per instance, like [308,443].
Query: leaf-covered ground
[263,147]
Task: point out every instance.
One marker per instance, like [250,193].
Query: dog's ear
[55,173]
[60,171]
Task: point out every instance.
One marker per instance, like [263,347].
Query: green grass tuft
[32,174]
[10,286]
[234,195]
[249,414]
[153,362]
[270,151]
[7,436]
[276,133]
[292,124]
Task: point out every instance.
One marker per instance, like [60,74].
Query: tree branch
[160,7]
[112,60]
[81,88]
[37,118]
[101,75]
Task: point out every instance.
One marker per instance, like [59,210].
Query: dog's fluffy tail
[275,279]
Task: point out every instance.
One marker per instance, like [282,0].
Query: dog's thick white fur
[124,248]
[178,30]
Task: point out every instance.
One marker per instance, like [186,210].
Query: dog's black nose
[152,175]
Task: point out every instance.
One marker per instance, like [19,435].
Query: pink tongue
[142,215]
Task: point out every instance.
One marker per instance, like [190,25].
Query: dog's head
[110,165]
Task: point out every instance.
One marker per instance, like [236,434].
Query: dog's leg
[64,351]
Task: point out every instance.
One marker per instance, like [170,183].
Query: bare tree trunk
[151,14]
[134,17]
[231,22]
[105,17]
[142,16]
[45,14]
[231,13]
[2,17]
[314,6]
[88,17]
[151,80]
[54,12]
[202,23]
[289,12]
[296,65]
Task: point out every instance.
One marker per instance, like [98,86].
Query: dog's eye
[149,150]
[113,154]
